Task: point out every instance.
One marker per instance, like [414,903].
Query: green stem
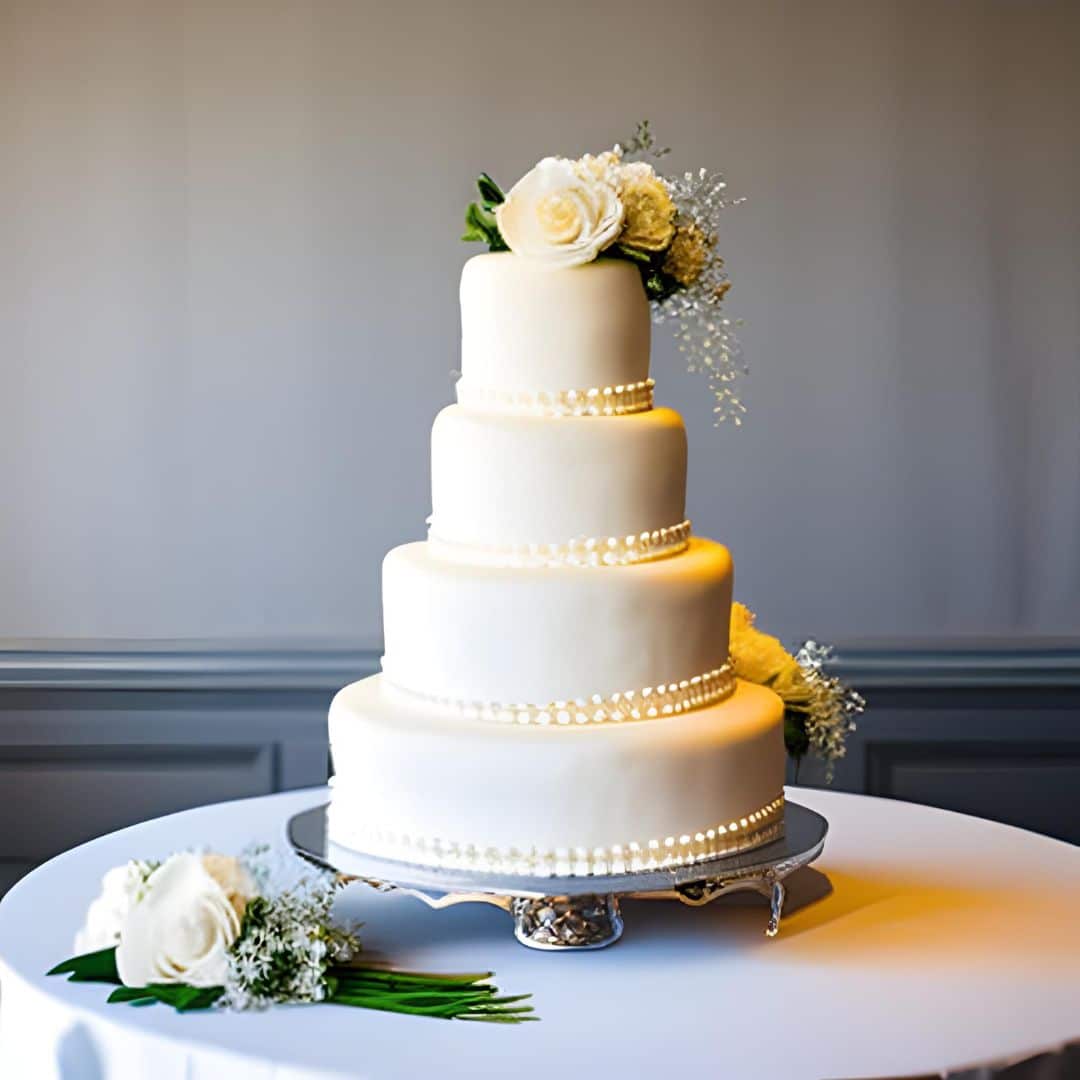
[449,997]
[373,972]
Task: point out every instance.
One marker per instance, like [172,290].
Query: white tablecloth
[946,941]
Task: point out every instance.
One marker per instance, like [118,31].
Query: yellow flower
[790,684]
[649,224]
[760,658]
[688,254]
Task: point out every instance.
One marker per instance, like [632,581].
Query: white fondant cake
[502,480]
[530,330]
[543,634]
[555,695]
[416,784]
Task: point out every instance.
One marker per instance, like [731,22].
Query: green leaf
[181,997]
[481,226]
[97,966]
[133,995]
[490,192]
[633,254]
[474,231]
[658,285]
[196,997]
[479,223]
[796,737]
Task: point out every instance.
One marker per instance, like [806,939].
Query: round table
[938,941]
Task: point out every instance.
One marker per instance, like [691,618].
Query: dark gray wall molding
[182,665]
[273,665]
[930,664]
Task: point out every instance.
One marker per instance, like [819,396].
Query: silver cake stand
[561,913]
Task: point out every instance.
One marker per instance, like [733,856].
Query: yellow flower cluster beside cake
[760,658]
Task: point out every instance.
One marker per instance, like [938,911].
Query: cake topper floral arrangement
[567,212]
[200,931]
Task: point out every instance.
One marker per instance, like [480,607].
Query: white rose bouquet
[568,212]
[197,931]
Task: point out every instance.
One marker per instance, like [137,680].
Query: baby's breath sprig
[828,714]
[286,947]
[643,143]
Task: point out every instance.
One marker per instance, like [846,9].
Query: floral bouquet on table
[205,930]
[819,709]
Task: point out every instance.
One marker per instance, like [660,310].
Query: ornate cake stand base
[561,913]
[566,922]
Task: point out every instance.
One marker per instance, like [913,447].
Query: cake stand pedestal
[572,913]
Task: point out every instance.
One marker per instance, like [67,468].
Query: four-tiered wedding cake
[556,696]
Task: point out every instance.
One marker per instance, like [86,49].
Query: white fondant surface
[406,770]
[499,479]
[527,327]
[541,634]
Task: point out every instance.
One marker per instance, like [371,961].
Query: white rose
[105,916]
[562,213]
[185,922]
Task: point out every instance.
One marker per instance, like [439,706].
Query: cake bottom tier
[422,785]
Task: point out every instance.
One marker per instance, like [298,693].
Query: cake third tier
[483,635]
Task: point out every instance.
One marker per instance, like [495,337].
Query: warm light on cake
[620,707]
[556,697]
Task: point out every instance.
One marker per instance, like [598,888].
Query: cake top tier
[557,312]
[528,330]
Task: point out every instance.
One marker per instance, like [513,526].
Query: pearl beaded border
[649,703]
[756,828]
[621,400]
[580,552]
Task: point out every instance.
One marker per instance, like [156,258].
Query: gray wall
[228,271]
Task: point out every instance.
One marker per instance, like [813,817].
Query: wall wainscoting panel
[1034,784]
[54,796]
[96,737]
[988,731]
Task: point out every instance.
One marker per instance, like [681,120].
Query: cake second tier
[501,483]
[479,635]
